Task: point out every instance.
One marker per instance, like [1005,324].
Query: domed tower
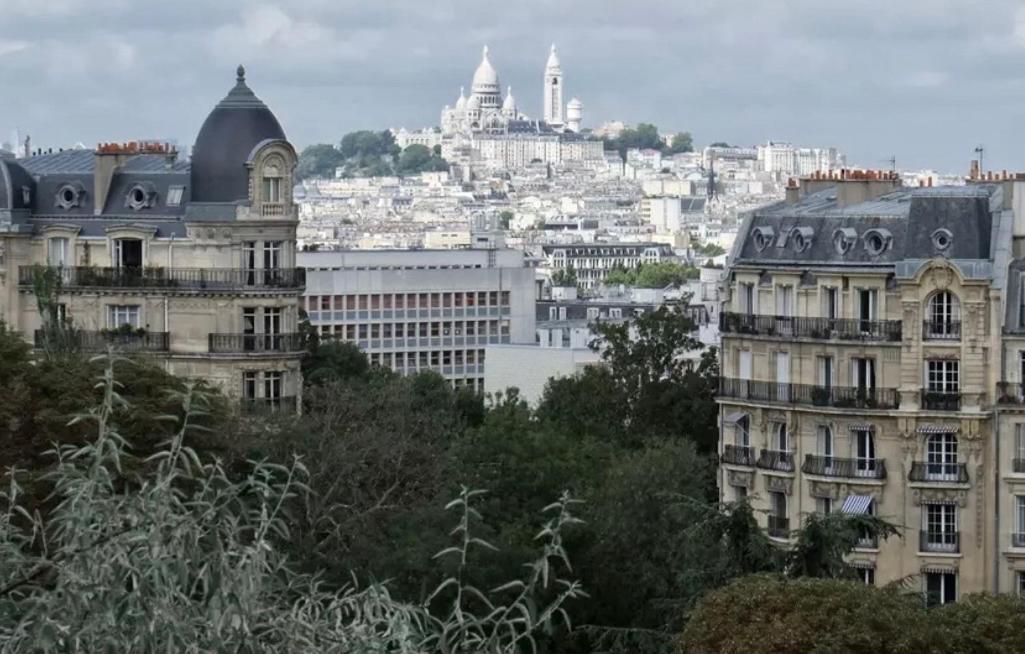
[509,105]
[485,86]
[574,114]
[553,90]
[241,155]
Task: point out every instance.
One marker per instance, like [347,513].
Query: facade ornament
[777,484]
[742,478]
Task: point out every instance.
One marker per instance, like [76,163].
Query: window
[827,372]
[864,452]
[1019,448]
[122,314]
[744,364]
[128,253]
[940,588]
[785,301]
[863,374]
[57,251]
[779,433]
[592,313]
[830,304]
[272,255]
[174,195]
[867,575]
[747,298]
[272,328]
[867,306]
[272,189]
[824,441]
[1018,537]
[943,313]
[742,432]
[823,505]
[942,376]
[941,457]
[272,384]
[249,384]
[940,527]
[615,313]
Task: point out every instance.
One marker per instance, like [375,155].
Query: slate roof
[907,219]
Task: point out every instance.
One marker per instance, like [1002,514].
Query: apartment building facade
[190,263]
[592,262]
[871,363]
[414,310]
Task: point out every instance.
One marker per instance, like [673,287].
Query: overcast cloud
[925,81]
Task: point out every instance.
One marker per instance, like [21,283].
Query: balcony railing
[779,526]
[945,330]
[848,329]
[1017,540]
[1010,393]
[833,396]
[738,455]
[255,343]
[831,466]
[868,541]
[169,278]
[938,472]
[941,401]
[776,460]
[939,541]
[257,405]
[99,341]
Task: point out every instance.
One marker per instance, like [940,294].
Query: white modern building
[414,310]
[592,262]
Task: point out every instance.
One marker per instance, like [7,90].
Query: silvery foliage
[183,559]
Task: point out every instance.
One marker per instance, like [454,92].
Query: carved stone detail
[774,484]
[745,478]
[958,495]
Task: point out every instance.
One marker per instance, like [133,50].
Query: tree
[682,142]
[505,218]
[586,405]
[768,614]
[319,160]
[564,277]
[660,274]
[334,360]
[720,144]
[416,159]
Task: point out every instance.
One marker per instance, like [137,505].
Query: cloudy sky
[923,80]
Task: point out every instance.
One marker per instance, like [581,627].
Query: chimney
[973,171]
[28,145]
[107,158]
[793,191]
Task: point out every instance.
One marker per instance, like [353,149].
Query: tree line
[367,153]
[140,511]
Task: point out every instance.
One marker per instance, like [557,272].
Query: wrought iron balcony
[938,472]
[779,526]
[939,541]
[738,455]
[99,341]
[211,279]
[831,466]
[255,343]
[258,405]
[941,401]
[776,460]
[846,329]
[832,396]
[944,330]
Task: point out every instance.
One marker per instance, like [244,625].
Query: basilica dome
[485,78]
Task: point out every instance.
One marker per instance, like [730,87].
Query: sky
[925,81]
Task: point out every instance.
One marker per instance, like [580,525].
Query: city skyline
[922,82]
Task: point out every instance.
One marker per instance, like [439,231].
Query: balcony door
[864,453]
[128,253]
[863,376]
[783,376]
[867,307]
[272,328]
[941,457]
[249,329]
[249,262]
[825,447]
[940,527]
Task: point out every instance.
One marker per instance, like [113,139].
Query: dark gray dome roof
[233,128]
[14,178]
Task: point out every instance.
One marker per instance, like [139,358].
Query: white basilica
[488,129]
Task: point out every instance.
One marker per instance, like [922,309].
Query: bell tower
[553,90]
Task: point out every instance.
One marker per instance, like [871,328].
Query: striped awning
[861,426]
[940,569]
[862,565]
[857,504]
[736,417]
[937,429]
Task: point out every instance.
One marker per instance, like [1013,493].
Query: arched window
[943,316]
[782,442]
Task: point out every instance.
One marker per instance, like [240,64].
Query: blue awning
[857,504]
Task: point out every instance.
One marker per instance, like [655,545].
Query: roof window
[174,195]
[843,239]
[877,241]
[941,239]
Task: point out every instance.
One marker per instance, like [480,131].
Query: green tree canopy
[682,142]
[318,160]
[660,274]
[416,159]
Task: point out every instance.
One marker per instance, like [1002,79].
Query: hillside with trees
[367,154]
[646,136]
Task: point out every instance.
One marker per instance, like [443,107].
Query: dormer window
[801,238]
[141,196]
[69,195]
[941,239]
[843,240]
[272,189]
[174,196]
[762,237]
[877,241]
